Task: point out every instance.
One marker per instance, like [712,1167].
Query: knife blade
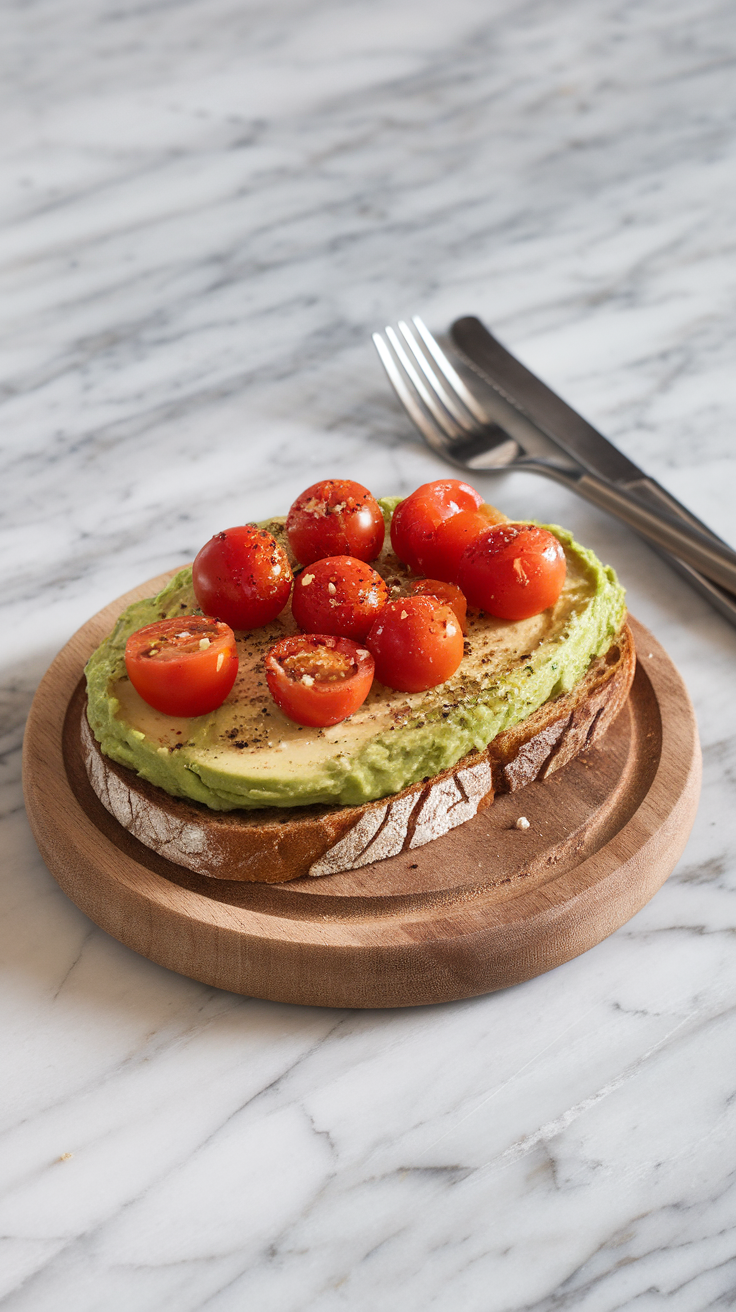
[570,432]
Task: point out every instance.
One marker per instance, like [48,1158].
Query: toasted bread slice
[277,844]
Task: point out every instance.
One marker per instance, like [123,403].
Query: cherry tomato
[446,593]
[416,643]
[184,666]
[335,518]
[440,556]
[243,576]
[513,571]
[338,595]
[318,679]
[416,520]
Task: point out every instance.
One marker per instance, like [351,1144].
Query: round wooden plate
[486,906]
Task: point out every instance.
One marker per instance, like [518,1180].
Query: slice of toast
[281,843]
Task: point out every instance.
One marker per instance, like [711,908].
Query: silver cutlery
[524,394]
[455,423]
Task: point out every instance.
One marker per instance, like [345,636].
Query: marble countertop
[207,208]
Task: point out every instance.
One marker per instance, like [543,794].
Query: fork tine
[451,374]
[458,412]
[427,427]
[443,419]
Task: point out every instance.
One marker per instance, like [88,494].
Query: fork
[455,424]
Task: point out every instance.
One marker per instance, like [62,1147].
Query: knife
[568,430]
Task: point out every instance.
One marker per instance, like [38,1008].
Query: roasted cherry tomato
[335,518]
[339,595]
[513,571]
[184,666]
[416,643]
[446,593]
[242,576]
[318,679]
[416,520]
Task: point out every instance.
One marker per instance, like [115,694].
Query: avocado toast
[244,793]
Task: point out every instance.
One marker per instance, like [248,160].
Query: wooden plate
[484,907]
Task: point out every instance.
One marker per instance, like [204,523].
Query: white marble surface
[206,209]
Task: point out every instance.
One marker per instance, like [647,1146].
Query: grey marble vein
[206,210]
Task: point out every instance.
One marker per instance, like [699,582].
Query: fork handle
[712,558]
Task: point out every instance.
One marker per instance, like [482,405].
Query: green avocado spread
[247,754]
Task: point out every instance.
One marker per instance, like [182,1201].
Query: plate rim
[648,844]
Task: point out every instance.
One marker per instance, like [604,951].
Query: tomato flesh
[336,517]
[417,643]
[318,679]
[242,576]
[416,521]
[339,595]
[446,593]
[183,666]
[513,571]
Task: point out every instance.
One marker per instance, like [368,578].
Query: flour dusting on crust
[409,821]
[183,842]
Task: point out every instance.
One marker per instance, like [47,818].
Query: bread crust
[278,844]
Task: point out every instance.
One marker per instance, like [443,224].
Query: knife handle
[646,489]
[556,419]
[714,559]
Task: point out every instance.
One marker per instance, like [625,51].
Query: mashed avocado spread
[247,754]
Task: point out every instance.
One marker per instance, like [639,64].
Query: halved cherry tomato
[318,679]
[184,666]
[336,517]
[513,571]
[339,595]
[446,593]
[417,643]
[416,520]
[243,576]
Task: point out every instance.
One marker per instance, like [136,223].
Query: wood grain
[483,907]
